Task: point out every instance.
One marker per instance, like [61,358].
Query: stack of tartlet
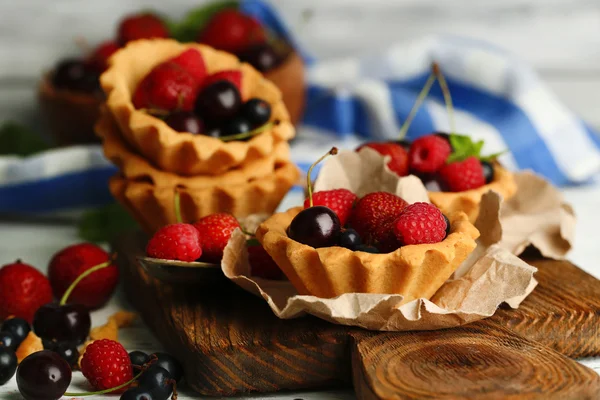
[210,175]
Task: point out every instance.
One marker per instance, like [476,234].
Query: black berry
[18,327]
[139,358]
[367,249]
[350,239]
[213,131]
[257,112]
[67,351]
[447,224]
[67,323]
[184,121]
[316,226]
[43,375]
[137,393]
[488,171]
[171,364]
[8,341]
[218,101]
[235,126]
[261,56]
[8,364]
[158,381]
[77,76]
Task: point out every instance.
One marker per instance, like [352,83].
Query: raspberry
[340,201]
[399,156]
[175,242]
[141,26]
[168,87]
[99,58]
[420,223]
[374,210]
[94,290]
[262,264]
[23,289]
[106,365]
[428,154]
[231,31]
[191,60]
[214,232]
[462,175]
[232,75]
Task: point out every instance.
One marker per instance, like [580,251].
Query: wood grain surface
[230,343]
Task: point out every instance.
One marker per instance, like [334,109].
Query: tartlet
[166,148]
[414,271]
[468,201]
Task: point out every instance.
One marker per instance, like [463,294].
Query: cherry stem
[447,98]
[244,135]
[81,277]
[121,386]
[332,152]
[413,112]
[177,202]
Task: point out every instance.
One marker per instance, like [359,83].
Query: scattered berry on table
[428,154]
[175,242]
[8,364]
[170,363]
[158,381]
[18,327]
[214,232]
[106,364]
[462,175]
[420,223]
[43,375]
[137,393]
[7,340]
[340,201]
[138,358]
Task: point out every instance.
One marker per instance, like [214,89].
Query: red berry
[262,264]
[99,58]
[168,87]
[427,154]
[192,61]
[23,289]
[106,365]
[231,31]
[215,231]
[462,175]
[399,156]
[340,201]
[232,75]
[94,290]
[175,242]
[373,211]
[141,26]
[420,223]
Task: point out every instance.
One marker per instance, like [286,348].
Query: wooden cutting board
[230,343]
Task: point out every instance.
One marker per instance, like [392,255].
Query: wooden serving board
[230,343]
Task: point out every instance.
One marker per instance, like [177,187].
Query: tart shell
[166,148]
[415,271]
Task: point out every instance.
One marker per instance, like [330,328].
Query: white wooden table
[561,38]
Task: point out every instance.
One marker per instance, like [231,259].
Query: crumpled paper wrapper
[537,215]
[486,280]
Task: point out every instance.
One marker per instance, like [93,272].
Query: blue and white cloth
[496,97]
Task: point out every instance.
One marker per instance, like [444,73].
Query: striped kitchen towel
[497,98]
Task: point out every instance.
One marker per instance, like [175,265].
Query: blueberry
[367,249]
[8,341]
[139,358]
[171,364]
[350,239]
[235,126]
[257,112]
[8,364]
[447,224]
[157,381]
[488,171]
[18,327]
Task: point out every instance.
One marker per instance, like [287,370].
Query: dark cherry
[137,393]
[367,249]
[316,226]
[67,323]
[184,121]
[8,340]
[139,358]
[261,56]
[213,131]
[8,364]
[158,381]
[447,224]
[43,375]
[235,126]
[18,327]
[257,111]
[488,171]
[75,75]
[170,363]
[350,239]
[218,101]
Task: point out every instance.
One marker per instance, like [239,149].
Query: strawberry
[373,211]
[23,289]
[215,231]
[398,154]
[192,61]
[168,87]
[99,57]
[141,26]
[232,75]
[175,242]
[231,31]
[106,365]
[462,175]
[427,154]
[94,290]
[420,223]
[340,201]
[262,264]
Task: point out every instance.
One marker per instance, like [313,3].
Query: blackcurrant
[18,327]
[137,393]
[257,112]
[8,364]
[447,224]
[8,340]
[171,364]
[261,56]
[158,381]
[488,171]
[235,126]
[350,239]
[183,121]
[75,75]
[139,358]
[218,101]
[68,352]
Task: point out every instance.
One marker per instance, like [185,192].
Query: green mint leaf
[492,157]
[188,28]
[105,223]
[477,148]
[16,139]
